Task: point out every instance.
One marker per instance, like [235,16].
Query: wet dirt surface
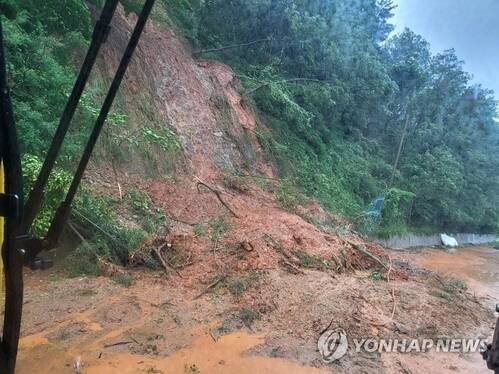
[160,325]
[479,266]
[205,355]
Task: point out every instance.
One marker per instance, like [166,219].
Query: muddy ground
[160,324]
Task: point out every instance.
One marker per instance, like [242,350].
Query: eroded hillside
[247,271]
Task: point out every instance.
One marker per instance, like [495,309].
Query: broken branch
[212,285]
[365,252]
[233,46]
[118,343]
[217,194]
[285,81]
[160,257]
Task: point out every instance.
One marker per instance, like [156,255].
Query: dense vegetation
[45,42]
[335,91]
[336,131]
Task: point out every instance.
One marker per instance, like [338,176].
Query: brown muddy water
[205,355]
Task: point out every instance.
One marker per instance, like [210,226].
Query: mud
[159,325]
[478,265]
[205,355]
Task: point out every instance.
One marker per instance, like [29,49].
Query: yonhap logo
[333,344]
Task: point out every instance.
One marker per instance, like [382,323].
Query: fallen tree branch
[233,46]
[212,336]
[77,233]
[393,288]
[166,264]
[292,268]
[217,194]
[181,221]
[285,81]
[212,285]
[160,257]
[365,252]
[118,343]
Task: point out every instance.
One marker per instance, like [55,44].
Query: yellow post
[2,186]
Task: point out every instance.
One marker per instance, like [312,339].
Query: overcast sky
[471,27]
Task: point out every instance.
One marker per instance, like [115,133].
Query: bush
[288,196]
[123,279]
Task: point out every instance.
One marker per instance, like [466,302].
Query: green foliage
[199,230]
[109,239]
[82,262]
[335,133]
[312,262]
[238,285]
[249,316]
[376,276]
[123,279]
[165,138]
[185,15]
[42,43]
[54,193]
[219,227]
[142,207]
[447,287]
[395,213]
[288,195]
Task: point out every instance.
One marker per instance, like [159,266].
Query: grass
[238,285]
[219,228]
[447,287]
[87,292]
[155,337]
[376,276]
[442,295]
[288,196]
[123,279]
[82,262]
[249,316]
[312,262]
[268,185]
[199,230]
[65,335]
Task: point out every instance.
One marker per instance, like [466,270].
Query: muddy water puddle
[477,265]
[207,354]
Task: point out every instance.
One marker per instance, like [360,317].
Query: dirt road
[159,326]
